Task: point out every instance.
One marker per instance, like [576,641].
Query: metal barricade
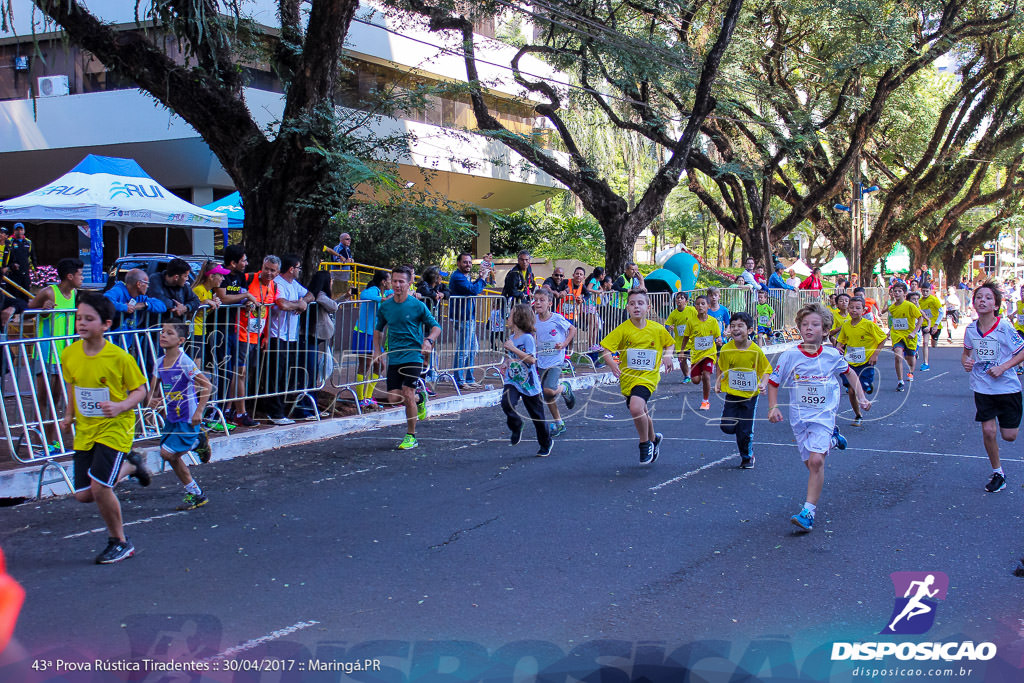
[468,341]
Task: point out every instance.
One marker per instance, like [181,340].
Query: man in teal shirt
[405,319]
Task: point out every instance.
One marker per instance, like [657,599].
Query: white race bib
[986,350]
[811,395]
[681,330]
[900,324]
[703,343]
[1020,318]
[856,355]
[642,359]
[742,380]
[764,320]
[548,349]
[88,401]
[927,315]
[256,323]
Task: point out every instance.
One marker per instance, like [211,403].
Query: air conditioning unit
[52,86]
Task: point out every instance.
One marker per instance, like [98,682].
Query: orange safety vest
[11,597]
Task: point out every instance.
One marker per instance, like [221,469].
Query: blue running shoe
[804,520]
[568,396]
[556,429]
[838,440]
[925,366]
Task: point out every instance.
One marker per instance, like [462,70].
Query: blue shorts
[908,352]
[866,373]
[362,343]
[761,329]
[179,437]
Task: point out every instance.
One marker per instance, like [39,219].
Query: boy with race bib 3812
[809,371]
[991,348]
[643,345]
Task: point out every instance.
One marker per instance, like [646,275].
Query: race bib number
[764,320]
[681,330]
[255,325]
[703,343]
[88,401]
[987,350]
[927,315]
[901,324]
[1020,318]
[742,380]
[856,355]
[642,359]
[548,349]
[811,395]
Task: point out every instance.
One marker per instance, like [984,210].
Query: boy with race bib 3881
[642,346]
[742,371]
[991,348]
[809,371]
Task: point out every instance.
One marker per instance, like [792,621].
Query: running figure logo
[917,596]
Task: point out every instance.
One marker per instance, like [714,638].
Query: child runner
[519,375]
[177,378]
[719,313]
[104,384]
[931,306]
[554,334]
[906,320]
[705,332]
[405,317]
[996,348]
[676,323]
[839,316]
[642,345]
[809,371]
[765,318]
[742,370]
[860,341]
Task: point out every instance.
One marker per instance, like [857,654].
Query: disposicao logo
[917,596]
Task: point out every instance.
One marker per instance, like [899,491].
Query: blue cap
[19,225]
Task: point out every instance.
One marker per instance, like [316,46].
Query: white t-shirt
[520,375]
[812,383]
[550,332]
[952,302]
[992,348]
[284,325]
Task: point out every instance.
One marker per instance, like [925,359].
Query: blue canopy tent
[231,207]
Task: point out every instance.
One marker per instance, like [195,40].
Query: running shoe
[996,483]
[900,386]
[869,389]
[203,449]
[924,366]
[116,551]
[243,420]
[910,377]
[747,462]
[858,421]
[705,405]
[517,436]
[191,501]
[658,437]
[838,440]
[545,451]
[430,392]
[218,426]
[421,405]
[556,429]
[1020,369]
[804,519]
[282,421]
[686,380]
[568,395]
[1019,570]
[646,453]
[408,442]
[141,472]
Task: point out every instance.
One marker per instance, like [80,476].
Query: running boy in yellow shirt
[906,321]
[642,346]
[931,307]
[860,341]
[742,372]
[104,384]
[839,316]
[704,331]
[676,323]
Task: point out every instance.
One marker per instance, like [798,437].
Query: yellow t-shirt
[860,340]
[838,319]
[742,368]
[903,323]
[110,375]
[640,350]
[1018,318]
[204,294]
[930,306]
[676,323]
[703,334]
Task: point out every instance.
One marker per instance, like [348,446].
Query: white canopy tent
[103,190]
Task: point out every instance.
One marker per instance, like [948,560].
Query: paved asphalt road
[452,555]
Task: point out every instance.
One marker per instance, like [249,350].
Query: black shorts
[866,374]
[936,333]
[641,392]
[1003,407]
[403,375]
[100,463]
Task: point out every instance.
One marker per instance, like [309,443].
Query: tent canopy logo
[118,189]
[917,597]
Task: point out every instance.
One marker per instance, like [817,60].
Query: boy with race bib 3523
[809,371]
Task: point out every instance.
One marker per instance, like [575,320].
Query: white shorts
[812,437]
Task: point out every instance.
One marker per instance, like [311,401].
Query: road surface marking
[137,521]
[256,642]
[689,474]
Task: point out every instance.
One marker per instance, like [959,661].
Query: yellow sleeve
[613,340]
[665,338]
[133,378]
[763,366]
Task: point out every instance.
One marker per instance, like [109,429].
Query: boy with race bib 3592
[809,371]
[991,348]
[642,346]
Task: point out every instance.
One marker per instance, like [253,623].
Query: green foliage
[512,233]
[570,237]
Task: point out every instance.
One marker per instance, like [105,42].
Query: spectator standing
[559,288]
[595,279]
[793,281]
[573,306]
[631,279]
[813,282]
[462,310]
[318,345]
[343,249]
[132,302]
[362,336]
[286,366]
[252,333]
[211,355]
[748,278]
[19,258]
[776,281]
[519,282]
[964,284]
[5,234]
[171,288]
[488,263]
